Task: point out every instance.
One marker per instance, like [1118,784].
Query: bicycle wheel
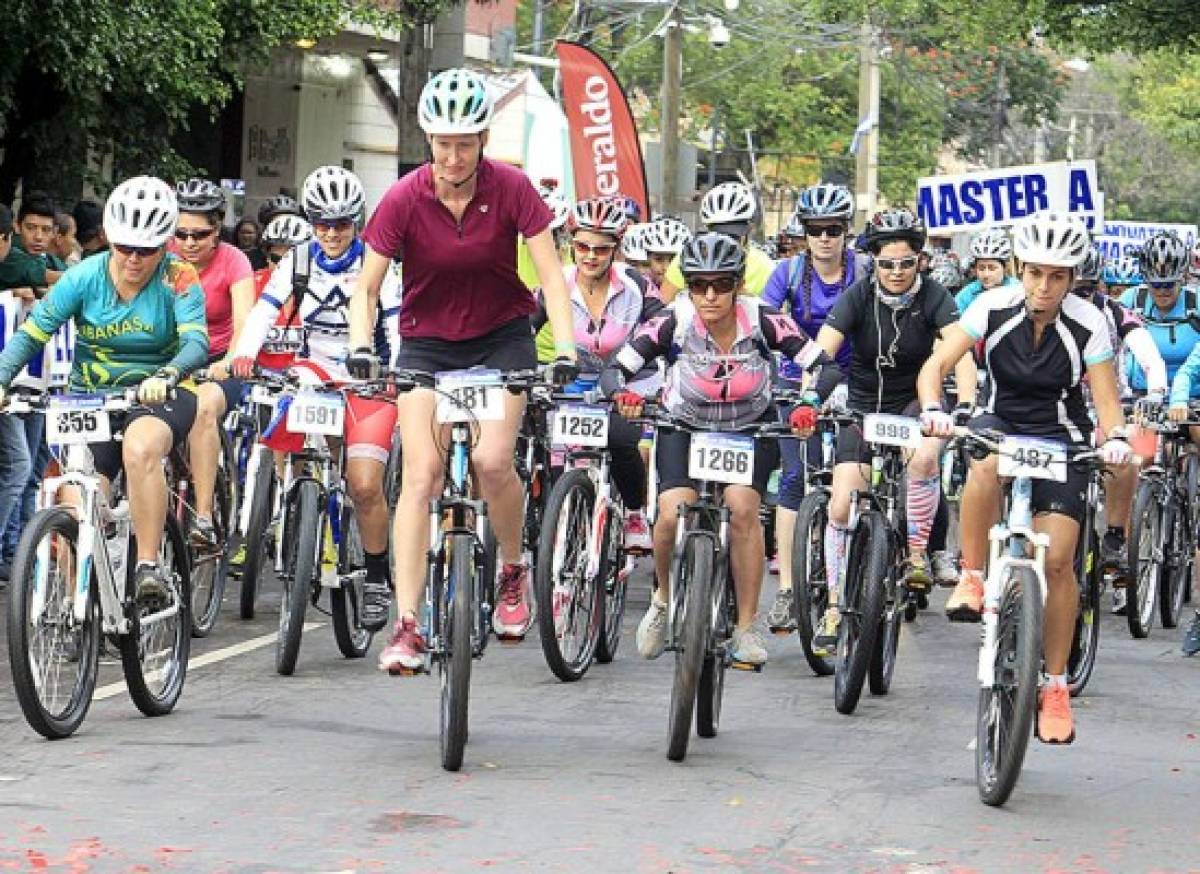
[1004,718]
[392,473]
[210,566]
[615,584]
[809,578]
[862,609]
[54,658]
[570,601]
[258,529]
[691,638]
[1145,557]
[154,654]
[1177,567]
[303,528]
[711,689]
[1087,624]
[883,658]
[346,600]
[454,665]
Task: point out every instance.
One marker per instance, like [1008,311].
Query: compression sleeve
[1185,378]
[651,340]
[1142,347]
[266,308]
[783,334]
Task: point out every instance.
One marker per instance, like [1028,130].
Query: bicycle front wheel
[303,529]
[154,654]
[1082,659]
[691,638]
[258,533]
[346,600]
[711,690]
[455,662]
[1177,568]
[809,576]
[1004,719]
[54,658]
[862,609]
[1145,558]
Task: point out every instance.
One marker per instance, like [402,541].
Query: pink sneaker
[405,652]
[513,614]
[637,533]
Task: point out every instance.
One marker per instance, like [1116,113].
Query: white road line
[217,655]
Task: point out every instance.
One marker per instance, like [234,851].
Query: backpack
[1191,308]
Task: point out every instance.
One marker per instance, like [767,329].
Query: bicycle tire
[1177,567]
[615,584]
[53,722]
[1000,742]
[258,534]
[155,690]
[210,573]
[711,690]
[695,575]
[866,568]
[1084,646]
[887,642]
[808,575]
[393,472]
[1144,558]
[305,531]
[455,665]
[562,586]
[345,601]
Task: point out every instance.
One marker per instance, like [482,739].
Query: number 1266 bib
[722,458]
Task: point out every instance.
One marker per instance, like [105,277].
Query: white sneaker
[1119,599]
[748,647]
[637,533]
[652,630]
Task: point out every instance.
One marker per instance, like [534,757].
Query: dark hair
[63,222]
[6,221]
[36,203]
[89,216]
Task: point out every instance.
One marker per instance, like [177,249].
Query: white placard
[1127,238]
[73,419]
[1033,458]
[313,412]
[722,458]
[470,395]
[579,425]
[885,430]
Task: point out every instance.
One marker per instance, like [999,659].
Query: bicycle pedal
[745,666]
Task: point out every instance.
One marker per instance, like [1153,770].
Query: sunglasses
[1161,286]
[896,263]
[603,250]
[338,225]
[833,231]
[140,251]
[198,236]
[273,258]
[719,284]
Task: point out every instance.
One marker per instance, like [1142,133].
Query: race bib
[283,340]
[884,430]
[313,412]
[470,395]
[722,458]
[74,419]
[1033,458]
[579,425]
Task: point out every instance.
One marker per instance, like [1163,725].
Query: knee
[743,518]
[1060,573]
[421,482]
[141,455]
[365,486]
[493,469]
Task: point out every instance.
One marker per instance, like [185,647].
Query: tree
[1137,25]
[114,79]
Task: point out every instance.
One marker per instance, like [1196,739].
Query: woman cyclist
[228,282]
[139,318]
[717,341]
[1121,274]
[791,240]
[456,220]
[633,251]
[892,321]
[991,260]
[1040,342]
[663,240]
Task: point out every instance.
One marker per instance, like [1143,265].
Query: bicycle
[581,551]
[1010,656]
[260,505]
[808,550]
[72,581]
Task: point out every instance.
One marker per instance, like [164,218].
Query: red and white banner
[605,152]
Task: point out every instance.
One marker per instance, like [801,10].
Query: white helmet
[668,235]
[1052,238]
[332,193]
[287,230]
[728,203]
[454,102]
[992,245]
[633,244]
[559,205]
[141,212]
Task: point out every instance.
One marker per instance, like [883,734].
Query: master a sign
[973,201]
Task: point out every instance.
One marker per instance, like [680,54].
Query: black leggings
[628,469]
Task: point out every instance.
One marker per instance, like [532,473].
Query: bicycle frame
[707,505]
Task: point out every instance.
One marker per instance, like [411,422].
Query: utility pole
[998,116]
[671,90]
[866,168]
[539,10]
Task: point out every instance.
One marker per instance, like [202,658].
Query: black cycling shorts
[1067,498]
[179,414]
[509,347]
[672,453]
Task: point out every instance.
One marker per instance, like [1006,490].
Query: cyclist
[228,282]
[728,208]
[806,286]
[791,240]
[717,342]
[892,320]
[1186,386]
[1039,342]
[1194,262]
[560,207]
[139,317]
[991,259]
[663,240]
[608,306]
[948,275]
[1121,274]
[317,280]
[456,220]
[271,208]
[281,235]
[633,251]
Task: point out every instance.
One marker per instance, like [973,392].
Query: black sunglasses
[198,236]
[833,231]
[719,284]
[141,251]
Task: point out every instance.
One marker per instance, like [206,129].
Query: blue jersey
[118,343]
[1175,333]
[967,294]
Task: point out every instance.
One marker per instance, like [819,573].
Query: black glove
[562,371]
[962,414]
[363,363]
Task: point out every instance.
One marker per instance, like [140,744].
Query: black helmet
[893,226]
[200,195]
[712,253]
[280,204]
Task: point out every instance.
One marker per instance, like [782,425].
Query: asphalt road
[336,769]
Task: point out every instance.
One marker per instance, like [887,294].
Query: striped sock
[922,507]
[835,554]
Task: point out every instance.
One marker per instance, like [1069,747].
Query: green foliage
[1136,25]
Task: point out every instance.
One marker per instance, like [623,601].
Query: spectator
[65,246]
[22,269]
[247,236]
[89,228]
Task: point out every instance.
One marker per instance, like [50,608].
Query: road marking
[217,655]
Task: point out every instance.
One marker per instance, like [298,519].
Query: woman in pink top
[228,282]
[455,223]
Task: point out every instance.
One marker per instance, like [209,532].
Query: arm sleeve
[650,341]
[1145,351]
[1185,378]
[262,315]
[782,333]
[775,292]
[192,329]
[48,315]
